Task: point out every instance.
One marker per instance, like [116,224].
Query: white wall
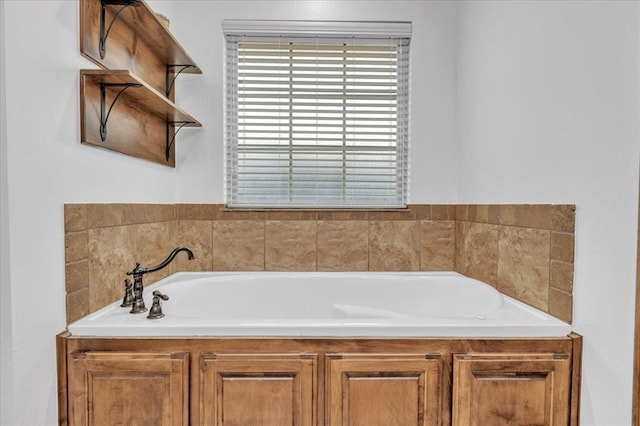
[6,374]
[47,166]
[197,24]
[548,112]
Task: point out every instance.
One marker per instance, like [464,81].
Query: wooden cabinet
[318,381]
[511,389]
[128,105]
[107,388]
[382,389]
[257,389]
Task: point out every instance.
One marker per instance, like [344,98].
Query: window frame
[364,32]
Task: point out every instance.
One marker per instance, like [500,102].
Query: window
[316,114]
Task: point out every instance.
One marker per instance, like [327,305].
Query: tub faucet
[138,272]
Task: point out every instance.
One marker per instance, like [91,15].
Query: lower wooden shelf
[121,112]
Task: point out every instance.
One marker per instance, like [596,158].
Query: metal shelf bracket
[172,138]
[104,113]
[104,34]
[171,77]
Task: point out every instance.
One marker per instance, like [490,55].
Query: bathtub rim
[547,326]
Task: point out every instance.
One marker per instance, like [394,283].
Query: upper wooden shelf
[134,39]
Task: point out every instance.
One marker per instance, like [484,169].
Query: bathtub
[327,304]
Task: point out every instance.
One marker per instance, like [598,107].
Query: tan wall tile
[472,213]
[198,211]
[406,214]
[523,265]
[478,251]
[394,245]
[534,216]
[105,215]
[485,213]
[482,213]
[562,247]
[152,245]
[507,214]
[230,214]
[75,217]
[561,304]
[290,245]
[238,245]
[158,213]
[526,215]
[563,218]
[443,212]
[131,214]
[75,246]
[291,215]
[77,305]
[421,211]
[437,244]
[343,215]
[494,214]
[196,236]
[462,212]
[135,214]
[561,275]
[111,254]
[343,245]
[77,276]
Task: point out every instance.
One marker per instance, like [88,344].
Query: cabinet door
[257,389]
[115,388]
[506,389]
[382,390]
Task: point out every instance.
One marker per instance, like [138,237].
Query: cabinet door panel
[129,388]
[257,389]
[499,389]
[382,390]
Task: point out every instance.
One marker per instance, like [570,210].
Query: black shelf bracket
[102,46]
[104,113]
[172,138]
[171,77]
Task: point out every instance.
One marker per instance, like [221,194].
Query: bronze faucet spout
[138,273]
[169,259]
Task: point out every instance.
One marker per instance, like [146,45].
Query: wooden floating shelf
[140,120]
[147,96]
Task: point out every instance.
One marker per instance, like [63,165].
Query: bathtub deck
[386,305]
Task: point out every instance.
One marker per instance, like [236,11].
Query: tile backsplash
[526,251]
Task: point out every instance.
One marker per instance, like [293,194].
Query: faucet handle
[156,293]
[136,270]
[128,294]
[156,309]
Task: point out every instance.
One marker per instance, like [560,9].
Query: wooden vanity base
[318,381]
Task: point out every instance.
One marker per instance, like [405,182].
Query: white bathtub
[357,304]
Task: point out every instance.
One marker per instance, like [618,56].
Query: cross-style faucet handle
[136,270]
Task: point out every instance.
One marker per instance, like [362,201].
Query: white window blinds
[316,121]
